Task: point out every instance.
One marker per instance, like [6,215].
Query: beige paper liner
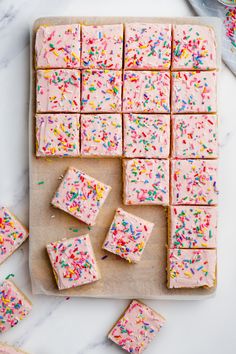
[147,279]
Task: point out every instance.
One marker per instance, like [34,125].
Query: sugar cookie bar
[57,135]
[146,182]
[147,46]
[58,90]
[80,195]
[12,234]
[146,135]
[194,182]
[128,235]
[101,135]
[194,136]
[136,328]
[101,91]
[192,226]
[146,91]
[8,349]
[194,48]
[191,268]
[102,47]
[73,262]
[58,46]
[14,306]
[193,92]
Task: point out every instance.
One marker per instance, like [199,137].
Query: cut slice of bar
[14,306]
[80,195]
[57,135]
[194,182]
[128,235]
[73,262]
[58,46]
[194,136]
[101,135]
[136,328]
[147,46]
[146,135]
[192,226]
[12,234]
[191,268]
[146,182]
[58,90]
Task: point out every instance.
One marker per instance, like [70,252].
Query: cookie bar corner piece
[128,236]
[58,46]
[14,305]
[12,234]
[191,268]
[80,195]
[73,262]
[136,328]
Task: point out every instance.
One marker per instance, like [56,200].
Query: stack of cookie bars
[146,93]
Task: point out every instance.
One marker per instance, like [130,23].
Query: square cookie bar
[194,136]
[136,328]
[73,262]
[147,46]
[101,91]
[193,92]
[146,182]
[58,46]
[146,91]
[128,235]
[80,195]
[194,47]
[102,47]
[101,135]
[12,234]
[191,268]
[192,226]
[146,135]
[58,90]
[8,349]
[14,306]
[194,182]
[57,135]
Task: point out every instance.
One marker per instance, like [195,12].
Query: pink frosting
[193,92]
[58,90]
[14,306]
[146,91]
[102,46]
[12,234]
[191,268]
[146,182]
[58,46]
[195,136]
[136,328]
[194,182]
[7,349]
[101,91]
[101,135]
[73,262]
[146,135]
[147,46]
[80,195]
[194,47]
[193,227]
[128,235]
[57,134]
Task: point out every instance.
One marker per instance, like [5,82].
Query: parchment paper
[147,279]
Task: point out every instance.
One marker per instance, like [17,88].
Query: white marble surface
[79,326]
